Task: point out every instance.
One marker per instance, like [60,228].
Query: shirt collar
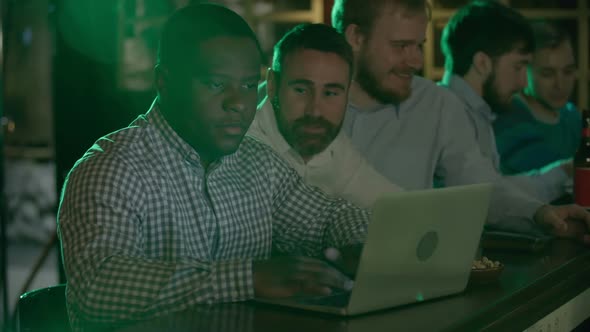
[398,107]
[155,117]
[467,94]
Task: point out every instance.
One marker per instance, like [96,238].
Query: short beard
[366,78]
[292,134]
[491,97]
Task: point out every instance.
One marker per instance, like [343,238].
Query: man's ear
[355,37]
[271,84]
[482,65]
[161,79]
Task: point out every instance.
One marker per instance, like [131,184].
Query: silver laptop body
[420,246]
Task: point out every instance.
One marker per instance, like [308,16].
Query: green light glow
[419,297]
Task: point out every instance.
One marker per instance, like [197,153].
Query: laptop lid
[420,245]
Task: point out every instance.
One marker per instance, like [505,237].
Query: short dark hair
[548,34]
[484,26]
[364,12]
[192,25]
[319,37]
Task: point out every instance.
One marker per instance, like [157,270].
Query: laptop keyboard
[339,299]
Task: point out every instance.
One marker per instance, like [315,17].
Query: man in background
[413,131]
[488,47]
[543,125]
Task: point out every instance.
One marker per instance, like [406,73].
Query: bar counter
[532,286]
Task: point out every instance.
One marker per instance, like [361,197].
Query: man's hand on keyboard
[285,276]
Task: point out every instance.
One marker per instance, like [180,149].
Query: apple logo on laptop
[427,246]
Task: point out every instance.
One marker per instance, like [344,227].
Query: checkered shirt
[146,230]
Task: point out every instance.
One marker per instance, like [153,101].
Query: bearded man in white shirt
[301,118]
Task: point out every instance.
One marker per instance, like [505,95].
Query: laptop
[420,246]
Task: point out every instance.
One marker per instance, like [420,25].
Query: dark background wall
[87,101]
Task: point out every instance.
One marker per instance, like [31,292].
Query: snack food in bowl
[485,270]
[485,263]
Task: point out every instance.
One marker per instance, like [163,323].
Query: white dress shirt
[339,170]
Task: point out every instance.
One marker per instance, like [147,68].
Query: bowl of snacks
[485,270]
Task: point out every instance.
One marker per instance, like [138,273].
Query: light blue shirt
[545,186]
[480,115]
[430,135]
